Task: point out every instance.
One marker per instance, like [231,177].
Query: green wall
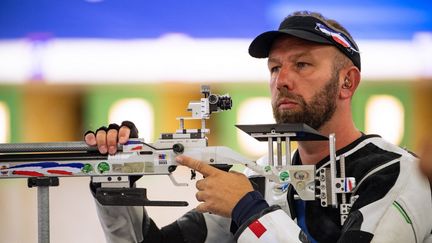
[403,91]
[12,97]
[99,99]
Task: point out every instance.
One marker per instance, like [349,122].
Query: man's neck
[311,152]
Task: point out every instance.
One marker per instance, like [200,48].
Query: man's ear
[349,81]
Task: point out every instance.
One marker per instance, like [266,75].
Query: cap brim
[261,45]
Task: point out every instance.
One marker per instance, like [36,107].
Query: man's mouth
[286,104]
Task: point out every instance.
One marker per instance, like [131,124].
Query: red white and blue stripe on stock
[44,169]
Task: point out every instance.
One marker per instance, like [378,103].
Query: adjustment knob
[178,148]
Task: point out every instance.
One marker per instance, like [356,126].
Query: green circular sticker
[103,167]
[87,168]
[284,175]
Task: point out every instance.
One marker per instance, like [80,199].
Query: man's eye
[274,69]
[302,64]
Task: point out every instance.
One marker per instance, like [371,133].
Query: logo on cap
[336,36]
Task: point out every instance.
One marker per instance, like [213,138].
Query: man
[314,69]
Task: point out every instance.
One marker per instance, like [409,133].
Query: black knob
[172,168]
[178,148]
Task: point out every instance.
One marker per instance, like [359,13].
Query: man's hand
[219,191]
[106,139]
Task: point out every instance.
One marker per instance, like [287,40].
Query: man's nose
[285,79]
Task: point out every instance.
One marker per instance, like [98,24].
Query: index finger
[203,168]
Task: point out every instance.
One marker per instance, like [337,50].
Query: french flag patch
[349,184]
[257,228]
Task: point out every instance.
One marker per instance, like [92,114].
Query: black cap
[307,28]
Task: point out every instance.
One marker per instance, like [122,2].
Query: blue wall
[366,19]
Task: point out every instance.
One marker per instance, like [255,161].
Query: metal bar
[288,151]
[332,141]
[43,214]
[342,174]
[203,124]
[279,151]
[270,151]
[46,147]
[274,135]
[181,123]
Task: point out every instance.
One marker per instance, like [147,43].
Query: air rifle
[43,163]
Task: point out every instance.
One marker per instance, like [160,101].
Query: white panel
[15,61]
[179,58]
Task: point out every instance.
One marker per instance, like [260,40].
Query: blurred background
[71,66]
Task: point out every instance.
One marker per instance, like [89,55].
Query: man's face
[303,83]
